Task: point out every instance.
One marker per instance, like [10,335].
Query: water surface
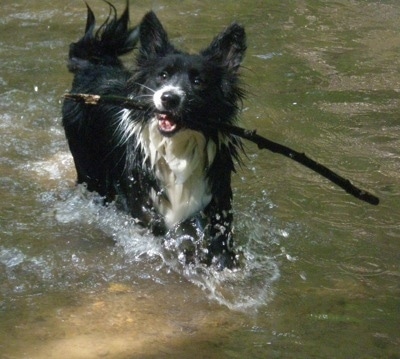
[321,280]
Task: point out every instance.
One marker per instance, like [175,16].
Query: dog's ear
[228,48]
[153,38]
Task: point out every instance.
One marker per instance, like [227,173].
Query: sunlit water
[79,280]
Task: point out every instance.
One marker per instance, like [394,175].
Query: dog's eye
[163,75]
[197,81]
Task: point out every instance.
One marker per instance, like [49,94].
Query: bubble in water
[11,257]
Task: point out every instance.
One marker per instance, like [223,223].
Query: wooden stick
[264,143]
[90,99]
[261,142]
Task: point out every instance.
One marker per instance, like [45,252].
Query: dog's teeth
[166,123]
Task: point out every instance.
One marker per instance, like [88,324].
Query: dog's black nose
[170,100]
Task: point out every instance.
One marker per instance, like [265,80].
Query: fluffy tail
[103,47]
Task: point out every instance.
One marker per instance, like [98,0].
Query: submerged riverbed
[321,279]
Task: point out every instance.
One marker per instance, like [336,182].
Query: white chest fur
[180,164]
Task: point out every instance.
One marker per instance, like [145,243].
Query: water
[321,279]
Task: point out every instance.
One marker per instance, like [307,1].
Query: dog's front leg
[220,242]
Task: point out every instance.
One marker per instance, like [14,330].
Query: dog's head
[189,90]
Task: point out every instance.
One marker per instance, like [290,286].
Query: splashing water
[243,289]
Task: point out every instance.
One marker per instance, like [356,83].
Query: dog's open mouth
[167,124]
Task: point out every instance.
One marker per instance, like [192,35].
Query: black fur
[109,156]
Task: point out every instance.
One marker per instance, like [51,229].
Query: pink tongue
[165,123]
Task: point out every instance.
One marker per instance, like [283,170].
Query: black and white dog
[169,166]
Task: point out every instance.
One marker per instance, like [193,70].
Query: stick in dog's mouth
[168,124]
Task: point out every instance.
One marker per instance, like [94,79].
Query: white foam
[56,167]
[244,289]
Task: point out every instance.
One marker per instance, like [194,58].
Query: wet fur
[168,167]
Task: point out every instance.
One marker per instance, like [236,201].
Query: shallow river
[321,278]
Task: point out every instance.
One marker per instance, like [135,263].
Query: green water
[322,77]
